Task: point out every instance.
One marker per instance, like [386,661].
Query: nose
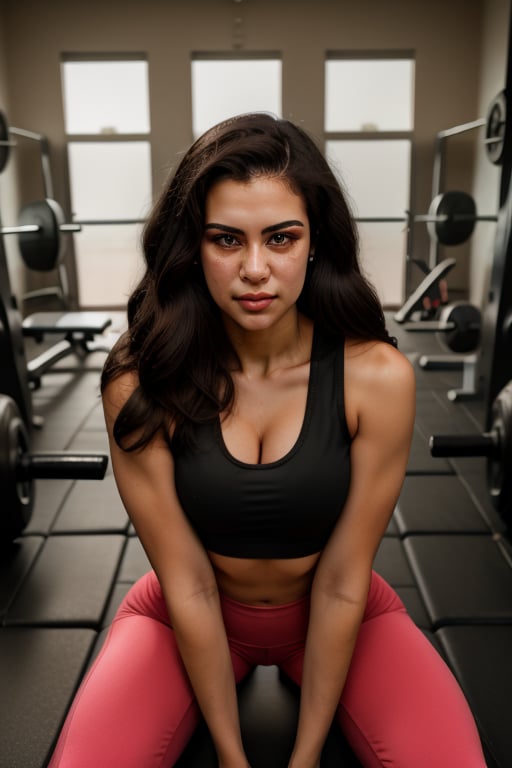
[254,266]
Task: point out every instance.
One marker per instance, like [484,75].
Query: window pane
[106,96]
[376,175]
[369,94]
[109,264]
[223,88]
[383,250]
[110,180]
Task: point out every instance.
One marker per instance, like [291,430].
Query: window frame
[369,135]
[108,138]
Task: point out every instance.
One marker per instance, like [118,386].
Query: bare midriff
[262,581]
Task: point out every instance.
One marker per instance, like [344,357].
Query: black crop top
[283,509]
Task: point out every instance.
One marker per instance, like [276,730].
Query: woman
[260,419]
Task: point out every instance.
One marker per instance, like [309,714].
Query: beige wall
[446,37]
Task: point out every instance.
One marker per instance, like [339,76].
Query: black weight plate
[456,214]
[41,250]
[17,495]
[464,337]
[495,129]
[4,138]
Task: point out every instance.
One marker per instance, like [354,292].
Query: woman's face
[254,250]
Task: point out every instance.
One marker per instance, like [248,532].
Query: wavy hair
[175,340]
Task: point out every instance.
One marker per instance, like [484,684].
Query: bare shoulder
[377,377]
[378,364]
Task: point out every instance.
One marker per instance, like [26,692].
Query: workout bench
[79,329]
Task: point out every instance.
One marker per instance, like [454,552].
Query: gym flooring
[445,552]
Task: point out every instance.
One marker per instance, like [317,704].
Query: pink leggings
[400,707]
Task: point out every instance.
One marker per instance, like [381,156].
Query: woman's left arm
[380,403]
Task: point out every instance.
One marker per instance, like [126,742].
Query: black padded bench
[81,334]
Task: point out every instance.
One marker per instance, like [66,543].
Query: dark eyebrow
[272,228]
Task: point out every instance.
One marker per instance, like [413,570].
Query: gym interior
[437,248]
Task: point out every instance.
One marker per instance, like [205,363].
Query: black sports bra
[283,509]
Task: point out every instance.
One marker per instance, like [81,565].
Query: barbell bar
[19,468]
[450,220]
[453,215]
[40,224]
[495,445]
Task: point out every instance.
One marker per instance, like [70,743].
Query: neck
[261,353]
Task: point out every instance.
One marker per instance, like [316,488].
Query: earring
[311,257]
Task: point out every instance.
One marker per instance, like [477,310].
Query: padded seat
[69,583]
[69,324]
[16,561]
[81,334]
[443,506]
[39,670]
[482,660]
[463,579]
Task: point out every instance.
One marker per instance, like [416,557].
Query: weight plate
[17,494]
[41,250]
[499,475]
[455,214]
[4,138]
[495,129]
[464,336]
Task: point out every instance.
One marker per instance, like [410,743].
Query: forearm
[333,628]
[203,646]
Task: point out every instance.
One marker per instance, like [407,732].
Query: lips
[255,302]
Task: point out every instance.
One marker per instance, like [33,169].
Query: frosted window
[110,180]
[224,88]
[106,96]
[376,174]
[109,264]
[383,259]
[369,94]
[376,177]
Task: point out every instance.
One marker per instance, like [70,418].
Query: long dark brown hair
[176,341]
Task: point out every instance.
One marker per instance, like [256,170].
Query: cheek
[218,274]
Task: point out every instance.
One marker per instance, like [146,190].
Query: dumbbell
[457,327]
[495,445]
[19,468]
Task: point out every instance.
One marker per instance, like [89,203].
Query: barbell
[39,227]
[458,327]
[450,220]
[19,468]
[495,445]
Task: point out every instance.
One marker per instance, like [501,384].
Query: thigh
[401,706]
[135,707]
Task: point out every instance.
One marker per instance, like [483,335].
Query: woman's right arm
[145,480]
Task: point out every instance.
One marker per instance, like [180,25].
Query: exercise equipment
[78,331]
[5,144]
[428,288]
[450,220]
[39,226]
[495,128]
[458,327]
[495,444]
[19,468]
